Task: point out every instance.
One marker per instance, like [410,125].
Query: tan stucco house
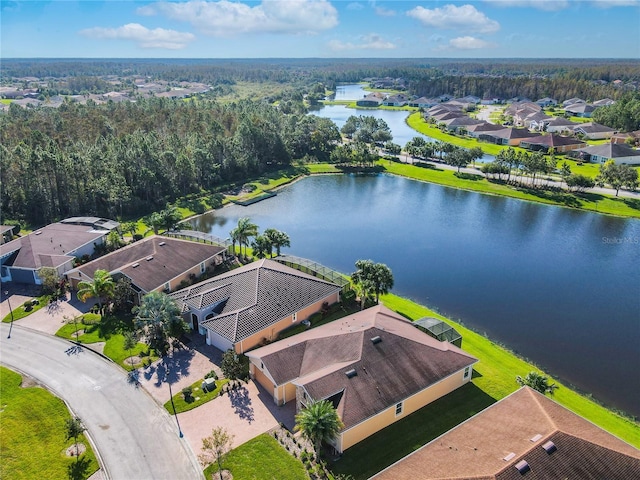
[375,367]
[251,305]
[155,263]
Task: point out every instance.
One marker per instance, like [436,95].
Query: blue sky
[321,28]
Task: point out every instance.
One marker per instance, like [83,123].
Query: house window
[294,317]
[467,372]
[399,407]
[202,267]
[261,366]
[167,286]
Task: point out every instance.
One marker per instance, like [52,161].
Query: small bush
[212,374]
[187,392]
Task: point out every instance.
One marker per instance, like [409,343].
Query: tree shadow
[79,470]
[133,378]
[468,176]
[241,402]
[171,368]
[429,166]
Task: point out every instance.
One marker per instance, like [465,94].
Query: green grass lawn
[109,331]
[22,312]
[261,459]
[626,207]
[198,398]
[32,429]
[494,379]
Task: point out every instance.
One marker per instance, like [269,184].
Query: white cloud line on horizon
[225,18]
[465,18]
[143,36]
[557,5]
[469,43]
[371,41]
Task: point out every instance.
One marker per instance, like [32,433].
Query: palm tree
[319,422]
[371,278]
[159,320]
[278,239]
[538,382]
[244,231]
[101,287]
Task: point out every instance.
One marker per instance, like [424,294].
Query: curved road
[135,438]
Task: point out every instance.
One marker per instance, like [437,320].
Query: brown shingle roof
[170,258]
[404,362]
[516,428]
[552,141]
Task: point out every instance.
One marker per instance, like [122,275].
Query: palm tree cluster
[456,156]
[371,279]
[262,245]
[530,164]
[538,382]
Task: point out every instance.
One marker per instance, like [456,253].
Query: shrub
[187,392]
[211,374]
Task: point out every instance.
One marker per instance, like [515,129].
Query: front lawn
[27,308]
[198,397]
[261,458]
[33,432]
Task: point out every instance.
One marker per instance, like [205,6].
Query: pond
[558,286]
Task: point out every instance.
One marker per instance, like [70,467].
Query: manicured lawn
[21,312]
[494,378]
[32,429]
[109,331]
[261,459]
[626,207]
[199,397]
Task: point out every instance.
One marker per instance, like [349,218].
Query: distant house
[154,263]
[572,101]
[57,246]
[624,137]
[580,109]
[6,233]
[375,367]
[423,102]
[460,123]
[594,131]
[251,305]
[490,100]
[522,108]
[605,102]
[523,436]
[618,152]
[371,100]
[398,100]
[556,143]
[547,102]
[447,115]
[560,124]
[536,121]
[470,99]
[482,128]
[507,136]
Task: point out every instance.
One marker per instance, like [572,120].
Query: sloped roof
[485,127]
[561,122]
[509,132]
[256,296]
[580,108]
[611,150]
[592,127]
[552,140]
[516,428]
[168,259]
[462,121]
[50,246]
[404,362]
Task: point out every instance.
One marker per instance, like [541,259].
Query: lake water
[396,119]
[558,286]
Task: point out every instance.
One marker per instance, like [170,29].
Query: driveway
[135,438]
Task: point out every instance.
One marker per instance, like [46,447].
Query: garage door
[218,341]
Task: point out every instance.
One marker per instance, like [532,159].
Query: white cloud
[372,41]
[468,43]
[548,5]
[355,6]
[384,12]
[465,18]
[226,18]
[615,3]
[144,37]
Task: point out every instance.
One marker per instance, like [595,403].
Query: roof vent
[509,457]
[135,265]
[376,339]
[536,437]
[39,232]
[162,243]
[523,467]
[351,373]
[149,258]
[549,447]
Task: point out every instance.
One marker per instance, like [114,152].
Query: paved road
[135,437]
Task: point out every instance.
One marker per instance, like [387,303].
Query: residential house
[551,142]
[507,136]
[447,115]
[470,99]
[523,108]
[371,100]
[572,101]
[580,109]
[536,121]
[618,152]
[461,123]
[482,128]
[6,233]
[398,100]
[154,263]
[251,305]
[547,102]
[523,436]
[624,137]
[423,102]
[375,367]
[56,245]
[490,100]
[594,131]
[560,124]
[605,102]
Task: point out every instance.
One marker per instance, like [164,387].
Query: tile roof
[170,258]
[508,133]
[50,246]
[552,140]
[257,295]
[404,362]
[515,428]
[611,150]
[592,127]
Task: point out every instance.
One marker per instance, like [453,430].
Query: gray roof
[95,222]
[593,128]
[253,297]
[611,150]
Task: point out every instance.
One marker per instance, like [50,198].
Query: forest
[131,158]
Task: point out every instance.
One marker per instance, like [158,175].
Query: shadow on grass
[409,434]
[427,165]
[632,203]
[560,197]
[468,176]
[79,470]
